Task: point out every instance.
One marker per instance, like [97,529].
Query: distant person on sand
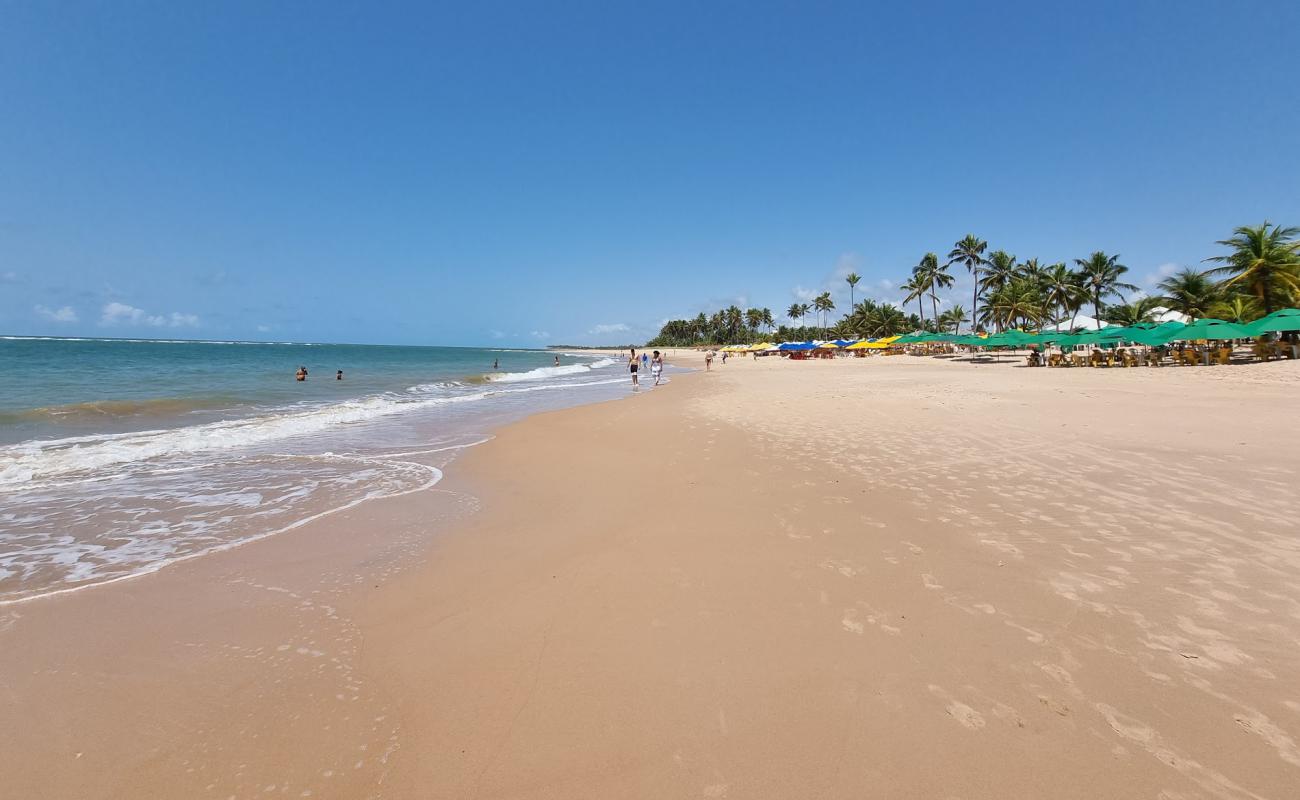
[656,366]
[632,367]
[301,374]
[645,361]
[724,356]
[339,375]
[708,360]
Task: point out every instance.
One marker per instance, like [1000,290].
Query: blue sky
[531,173]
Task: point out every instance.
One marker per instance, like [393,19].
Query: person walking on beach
[632,365]
[656,366]
[645,361]
[708,360]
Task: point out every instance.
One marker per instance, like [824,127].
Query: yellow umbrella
[762,346]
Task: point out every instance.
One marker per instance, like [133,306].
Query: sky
[522,174]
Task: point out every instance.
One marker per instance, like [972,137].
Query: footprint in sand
[930,581]
[964,714]
[850,621]
[916,550]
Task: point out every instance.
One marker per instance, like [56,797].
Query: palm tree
[1265,260]
[1101,276]
[955,316]
[795,311]
[1236,308]
[999,271]
[970,252]
[1017,302]
[1190,292]
[767,319]
[1138,311]
[1034,271]
[852,280]
[823,303]
[938,278]
[1062,289]
[753,318]
[915,288]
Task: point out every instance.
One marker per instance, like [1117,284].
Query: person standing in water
[632,365]
[339,375]
[301,374]
[496,363]
[557,361]
[657,366]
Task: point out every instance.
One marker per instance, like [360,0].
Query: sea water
[118,457]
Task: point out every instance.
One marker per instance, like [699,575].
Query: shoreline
[775,579]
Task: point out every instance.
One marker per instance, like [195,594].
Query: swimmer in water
[339,375]
[301,374]
[557,361]
[496,363]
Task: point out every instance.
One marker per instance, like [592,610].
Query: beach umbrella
[1288,319]
[795,346]
[1208,329]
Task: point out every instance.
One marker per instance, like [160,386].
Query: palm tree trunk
[975,300]
[921,307]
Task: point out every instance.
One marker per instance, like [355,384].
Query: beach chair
[1056,360]
[1127,358]
[1078,360]
[1262,351]
[1188,357]
[1223,356]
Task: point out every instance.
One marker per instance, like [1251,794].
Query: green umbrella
[1209,329]
[1288,319]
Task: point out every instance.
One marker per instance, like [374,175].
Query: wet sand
[889,577]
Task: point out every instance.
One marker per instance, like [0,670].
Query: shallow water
[119,457]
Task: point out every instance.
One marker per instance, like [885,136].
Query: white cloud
[540,334]
[616,327]
[64,314]
[9,277]
[1160,273]
[263,328]
[495,334]
[116,313]
[803,294]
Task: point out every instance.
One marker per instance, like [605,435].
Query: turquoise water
[53,386]
[118,457]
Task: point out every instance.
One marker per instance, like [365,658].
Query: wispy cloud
[116,313]
[540,334]
[9,277]
[606,327]
[1159,274]
[64,314]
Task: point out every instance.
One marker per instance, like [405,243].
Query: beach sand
[888,577]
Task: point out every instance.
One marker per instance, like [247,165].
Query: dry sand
[890,577]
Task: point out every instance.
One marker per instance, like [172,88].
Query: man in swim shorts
[632,365]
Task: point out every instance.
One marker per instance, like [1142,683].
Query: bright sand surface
[890,577]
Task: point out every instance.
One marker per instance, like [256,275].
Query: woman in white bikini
[656,366]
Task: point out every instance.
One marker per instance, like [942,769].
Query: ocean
[118,457]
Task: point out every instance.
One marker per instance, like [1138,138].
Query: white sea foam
[41,460]
[541,373]
[86,510]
